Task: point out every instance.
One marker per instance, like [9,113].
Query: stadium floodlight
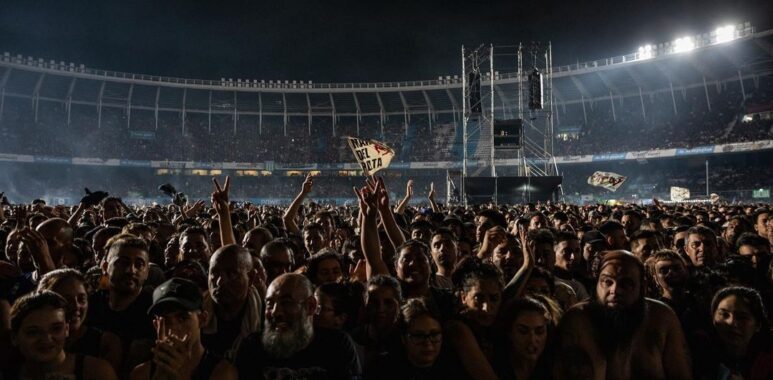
[725,34]
[683,44]
[645,52]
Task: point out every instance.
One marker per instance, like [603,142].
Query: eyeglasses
[417,338]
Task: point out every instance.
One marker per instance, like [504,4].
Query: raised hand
[36,244]
[191,211]
[522,238]
[358,272]
[171,354]
[308,183]
[21,215]
[378,188]
[431,194]
[220,195]
[368,201]
[494,236]
[409,188]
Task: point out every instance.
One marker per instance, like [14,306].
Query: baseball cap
[592,237]
[175,294]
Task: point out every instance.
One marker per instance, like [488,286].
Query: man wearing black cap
[179,354]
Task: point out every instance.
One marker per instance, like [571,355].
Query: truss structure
[483,88]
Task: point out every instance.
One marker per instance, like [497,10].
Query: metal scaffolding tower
[536,153]
[478,109]
[482,89]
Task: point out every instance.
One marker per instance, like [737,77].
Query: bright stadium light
[645,52]
[683,44]
[725,33]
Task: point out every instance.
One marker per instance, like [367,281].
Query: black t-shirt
[395,365]
[90,343]
[227,331]
[129,324]
[331,355]
[443,302]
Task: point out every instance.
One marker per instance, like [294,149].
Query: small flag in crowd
[372,155]
[679,194]
[608,180]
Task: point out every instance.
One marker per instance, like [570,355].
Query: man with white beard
[289,347]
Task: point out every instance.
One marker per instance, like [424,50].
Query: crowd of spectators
[661,122]
[197,140]
[685,121]
[733,177]
[380,289]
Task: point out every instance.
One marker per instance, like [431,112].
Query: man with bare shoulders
[619,334]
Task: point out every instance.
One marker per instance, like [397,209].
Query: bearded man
[289,347]
[619,334]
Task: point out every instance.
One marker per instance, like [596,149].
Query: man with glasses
[289,346]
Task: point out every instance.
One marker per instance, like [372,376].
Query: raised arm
[371,247]
[221,205]
[494,236]
[292,211]
[431,197]
[192,210]
[407,198]
[73,219]
[38,249]
[515,287]
[394,233]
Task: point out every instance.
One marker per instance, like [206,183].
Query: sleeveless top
[89,343]
[203,371]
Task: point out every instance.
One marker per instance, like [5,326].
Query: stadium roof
[748,57]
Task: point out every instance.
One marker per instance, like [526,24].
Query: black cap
[592,237]
[175,294]
[452,219]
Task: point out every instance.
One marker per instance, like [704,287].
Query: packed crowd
[625,127]
[631,124]
[106,135]
[383,290]
[731,177]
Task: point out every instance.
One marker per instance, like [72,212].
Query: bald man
[290,346]
[233,302]
[59,237]
[619,334]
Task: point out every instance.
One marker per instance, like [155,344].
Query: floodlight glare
[645,52]
[683,44]
[725,33]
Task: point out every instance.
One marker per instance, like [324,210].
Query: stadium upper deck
[663,68]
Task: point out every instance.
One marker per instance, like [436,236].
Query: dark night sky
[342,40]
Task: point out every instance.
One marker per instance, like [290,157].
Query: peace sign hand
[220,195]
